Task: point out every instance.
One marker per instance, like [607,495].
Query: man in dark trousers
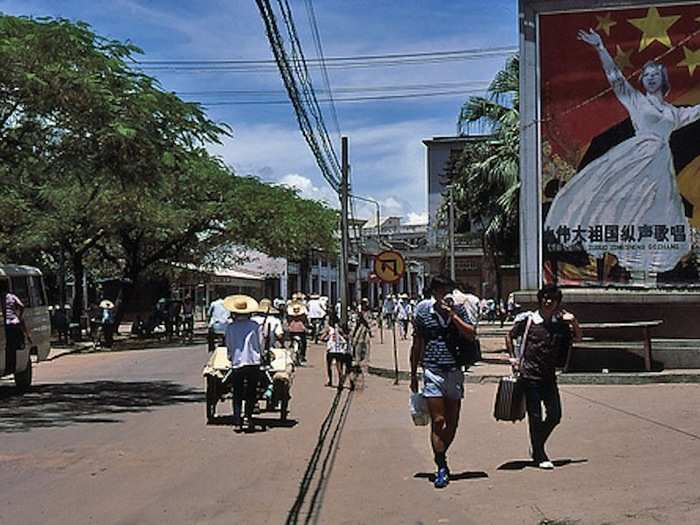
[546,335]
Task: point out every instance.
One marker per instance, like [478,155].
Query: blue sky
[386,152]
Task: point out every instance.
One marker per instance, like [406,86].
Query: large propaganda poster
[620,145]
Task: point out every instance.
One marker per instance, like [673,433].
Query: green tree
[99,162]
[486,177]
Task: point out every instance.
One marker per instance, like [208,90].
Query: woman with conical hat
[244,345]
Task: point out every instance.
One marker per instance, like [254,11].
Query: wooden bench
[644,328]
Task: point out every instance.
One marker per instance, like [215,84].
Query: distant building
[441,156]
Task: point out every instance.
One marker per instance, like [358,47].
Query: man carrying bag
[547,336]
[443,379]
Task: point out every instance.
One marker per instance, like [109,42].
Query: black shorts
[341,357]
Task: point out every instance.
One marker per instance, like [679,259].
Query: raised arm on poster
[633,185]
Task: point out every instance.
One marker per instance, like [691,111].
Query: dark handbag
[466,351]
[510,398]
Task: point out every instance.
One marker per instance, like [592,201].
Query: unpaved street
[121,439]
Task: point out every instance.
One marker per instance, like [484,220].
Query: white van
[26,283]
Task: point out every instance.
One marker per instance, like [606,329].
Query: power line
[329,60]
[349,65]
[296,80]
[347,89]
[344,100]
[319,50]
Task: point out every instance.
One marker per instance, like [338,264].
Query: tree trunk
[78,274]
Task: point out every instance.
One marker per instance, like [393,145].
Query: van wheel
[23,380]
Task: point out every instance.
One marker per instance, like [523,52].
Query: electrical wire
[329,171]
[347,89]
[319,51]
[328,60]
[345,100]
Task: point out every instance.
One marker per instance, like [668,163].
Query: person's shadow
[456,476]
[521,464]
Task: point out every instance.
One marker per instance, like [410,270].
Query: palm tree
[486,179]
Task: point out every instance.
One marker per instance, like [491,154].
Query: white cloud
[417,218]
[308,190]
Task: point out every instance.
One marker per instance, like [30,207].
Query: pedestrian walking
[443,379]
[272,331]
[388,309]
[546,335]
[108,320]
[244,346]
[188,318]
[401,313]
[218,317]
[338,351]
[317,315]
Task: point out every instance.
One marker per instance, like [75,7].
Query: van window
[20,289]
[36,291]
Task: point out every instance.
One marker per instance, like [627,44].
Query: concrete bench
[641,329]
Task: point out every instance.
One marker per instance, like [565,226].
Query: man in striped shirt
[442,377]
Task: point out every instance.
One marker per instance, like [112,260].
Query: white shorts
[443,383]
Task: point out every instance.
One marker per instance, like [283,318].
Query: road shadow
[521,464]
[64,404]
[454,476]
[265,422]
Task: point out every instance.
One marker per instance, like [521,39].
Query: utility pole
[452,234]
[345,248]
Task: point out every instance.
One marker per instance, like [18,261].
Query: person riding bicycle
[297,323]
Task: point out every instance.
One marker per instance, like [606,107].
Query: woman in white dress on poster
[633,183]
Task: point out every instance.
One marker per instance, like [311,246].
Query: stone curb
[633,378]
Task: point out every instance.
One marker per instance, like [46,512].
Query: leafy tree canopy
[98,162]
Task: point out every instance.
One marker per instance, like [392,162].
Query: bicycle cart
[274,382]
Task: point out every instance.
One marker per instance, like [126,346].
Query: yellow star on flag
[622,59]
[691,61]
[654,28]
[605,23]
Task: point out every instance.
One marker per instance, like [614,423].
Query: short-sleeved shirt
[545,346]
[217,313]
[336,344]
[316,309]
[13,307]
[271,327]
[296,324]
[243,342]
[433,329]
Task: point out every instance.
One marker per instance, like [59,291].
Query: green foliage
[486,178]
[98,163]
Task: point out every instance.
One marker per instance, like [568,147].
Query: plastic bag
[419,409]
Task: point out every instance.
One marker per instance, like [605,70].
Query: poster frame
[529,12]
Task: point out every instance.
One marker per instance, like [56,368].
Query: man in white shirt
[244,346]
[272,331]
[317,314]
[470,302]
[218,319]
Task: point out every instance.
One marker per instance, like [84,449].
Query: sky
[387,156]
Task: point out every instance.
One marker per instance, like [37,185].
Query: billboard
[619,115]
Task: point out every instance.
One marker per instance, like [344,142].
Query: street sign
[389,266]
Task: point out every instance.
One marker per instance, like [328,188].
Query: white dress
[634,184]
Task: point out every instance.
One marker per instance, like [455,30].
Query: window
[36,291]
[20,289]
